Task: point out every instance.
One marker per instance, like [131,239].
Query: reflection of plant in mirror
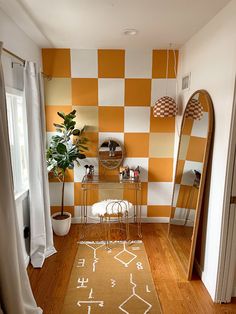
[63,151]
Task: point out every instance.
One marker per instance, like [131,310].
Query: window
[16,115]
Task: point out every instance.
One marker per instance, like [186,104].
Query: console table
[89,184]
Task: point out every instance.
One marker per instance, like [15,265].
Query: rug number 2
[139,265]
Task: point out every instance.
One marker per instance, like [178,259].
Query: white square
[79,172]
[55,191]
[102,136]
[144,211]
[138,63]
[188,176]
[84,63]
[163,87]
[111,92]
[142,163]
[200,127]
[77,211]
[49,136]
[160,193]
[137,119]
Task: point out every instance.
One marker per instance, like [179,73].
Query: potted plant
[65,150]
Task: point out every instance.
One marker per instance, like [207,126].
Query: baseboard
[27,260]
[182,222]
[76,220]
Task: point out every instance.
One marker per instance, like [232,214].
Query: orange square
[165,125]
[159,63]
[92,195]
[137,92]
[108,172]
[85,91]
[92,144]
[129,195]
[56,62]
[52,116]
[158,211]
[111,63]
[187,197]
[69,176]
[136,144]
[179,171]
[196,149]
[111,119]
[187,126]
[69,209]
[203,100]
[160,169]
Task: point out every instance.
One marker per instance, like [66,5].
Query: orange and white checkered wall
[113,92]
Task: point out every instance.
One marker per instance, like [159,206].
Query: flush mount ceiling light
[130,31]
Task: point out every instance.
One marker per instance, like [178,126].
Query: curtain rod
[48,77]
[14,55]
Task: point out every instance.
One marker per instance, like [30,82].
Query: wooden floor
[176,295]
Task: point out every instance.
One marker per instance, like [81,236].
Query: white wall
[15,40]
[210,56]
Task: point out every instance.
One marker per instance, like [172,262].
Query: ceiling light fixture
[130,32]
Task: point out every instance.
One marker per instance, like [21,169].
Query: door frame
[227,254]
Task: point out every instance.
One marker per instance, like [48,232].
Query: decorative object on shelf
[166,105]
[89,172]
[136,173]
[61,155]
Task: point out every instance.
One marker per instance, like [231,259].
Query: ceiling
[87,24]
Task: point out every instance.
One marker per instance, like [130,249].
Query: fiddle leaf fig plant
[65,149]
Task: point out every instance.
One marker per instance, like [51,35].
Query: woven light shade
[165,107]
[194,110]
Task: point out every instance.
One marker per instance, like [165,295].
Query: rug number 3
[139,265]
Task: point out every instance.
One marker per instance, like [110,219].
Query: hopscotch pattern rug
[111,281]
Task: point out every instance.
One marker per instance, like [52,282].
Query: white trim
[227,261]
[182,222]
[27,260]
[21,195]
[76,220]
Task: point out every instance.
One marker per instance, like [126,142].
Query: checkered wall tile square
[113,92]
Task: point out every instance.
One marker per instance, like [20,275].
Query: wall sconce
[165,107]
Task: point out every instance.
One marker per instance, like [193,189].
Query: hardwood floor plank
[176,295]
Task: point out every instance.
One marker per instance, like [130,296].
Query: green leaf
[76,132]
[81,156]
[61,114]
[61,148]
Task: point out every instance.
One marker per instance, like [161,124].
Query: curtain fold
[15,291]
[41,243]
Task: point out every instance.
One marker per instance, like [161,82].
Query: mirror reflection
[111,153]
[188,185]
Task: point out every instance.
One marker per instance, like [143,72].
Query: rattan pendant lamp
[166,105]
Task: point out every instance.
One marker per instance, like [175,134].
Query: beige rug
[111,281]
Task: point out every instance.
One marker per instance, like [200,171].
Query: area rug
[111,281]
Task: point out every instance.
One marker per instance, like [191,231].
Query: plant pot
[61,227]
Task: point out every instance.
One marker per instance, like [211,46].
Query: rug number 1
[139,265]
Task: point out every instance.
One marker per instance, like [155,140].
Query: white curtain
[15,292]
[41,243]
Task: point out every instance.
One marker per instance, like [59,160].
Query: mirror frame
[202,182]
[123,153]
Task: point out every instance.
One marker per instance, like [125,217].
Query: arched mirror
[111,153]
[190,173]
